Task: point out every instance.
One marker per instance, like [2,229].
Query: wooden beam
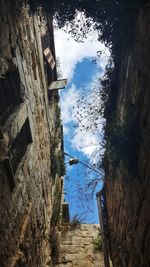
[60,84]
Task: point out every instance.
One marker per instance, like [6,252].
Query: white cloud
[68,100]
[84,142]
[71,52]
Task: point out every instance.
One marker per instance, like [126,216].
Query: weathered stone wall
[25,206]
[76,246]
[128,194]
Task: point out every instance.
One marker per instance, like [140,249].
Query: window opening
[49,61]
[19,146]
[10,95]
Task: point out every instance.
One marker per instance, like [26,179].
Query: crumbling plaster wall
[25,211]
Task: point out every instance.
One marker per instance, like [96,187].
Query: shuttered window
[49,61]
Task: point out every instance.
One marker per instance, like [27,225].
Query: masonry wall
[26,191]
[76,248]
[128,191]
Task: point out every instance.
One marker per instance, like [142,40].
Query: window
[49,61]
[17,151]
[10,95]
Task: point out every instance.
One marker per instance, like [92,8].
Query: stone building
[125,198]
[31,149]
[30,136]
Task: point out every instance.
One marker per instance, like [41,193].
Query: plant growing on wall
[57,116]
[121,144]
[61,168]
[57,163]
[97,243]
[76,220]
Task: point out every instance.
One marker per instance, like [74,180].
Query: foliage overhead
[112,18]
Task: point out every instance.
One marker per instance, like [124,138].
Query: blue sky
[76,65]
[77,174]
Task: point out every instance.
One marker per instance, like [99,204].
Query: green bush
[97,243]
[121,144]
[58,117]
[61,168]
